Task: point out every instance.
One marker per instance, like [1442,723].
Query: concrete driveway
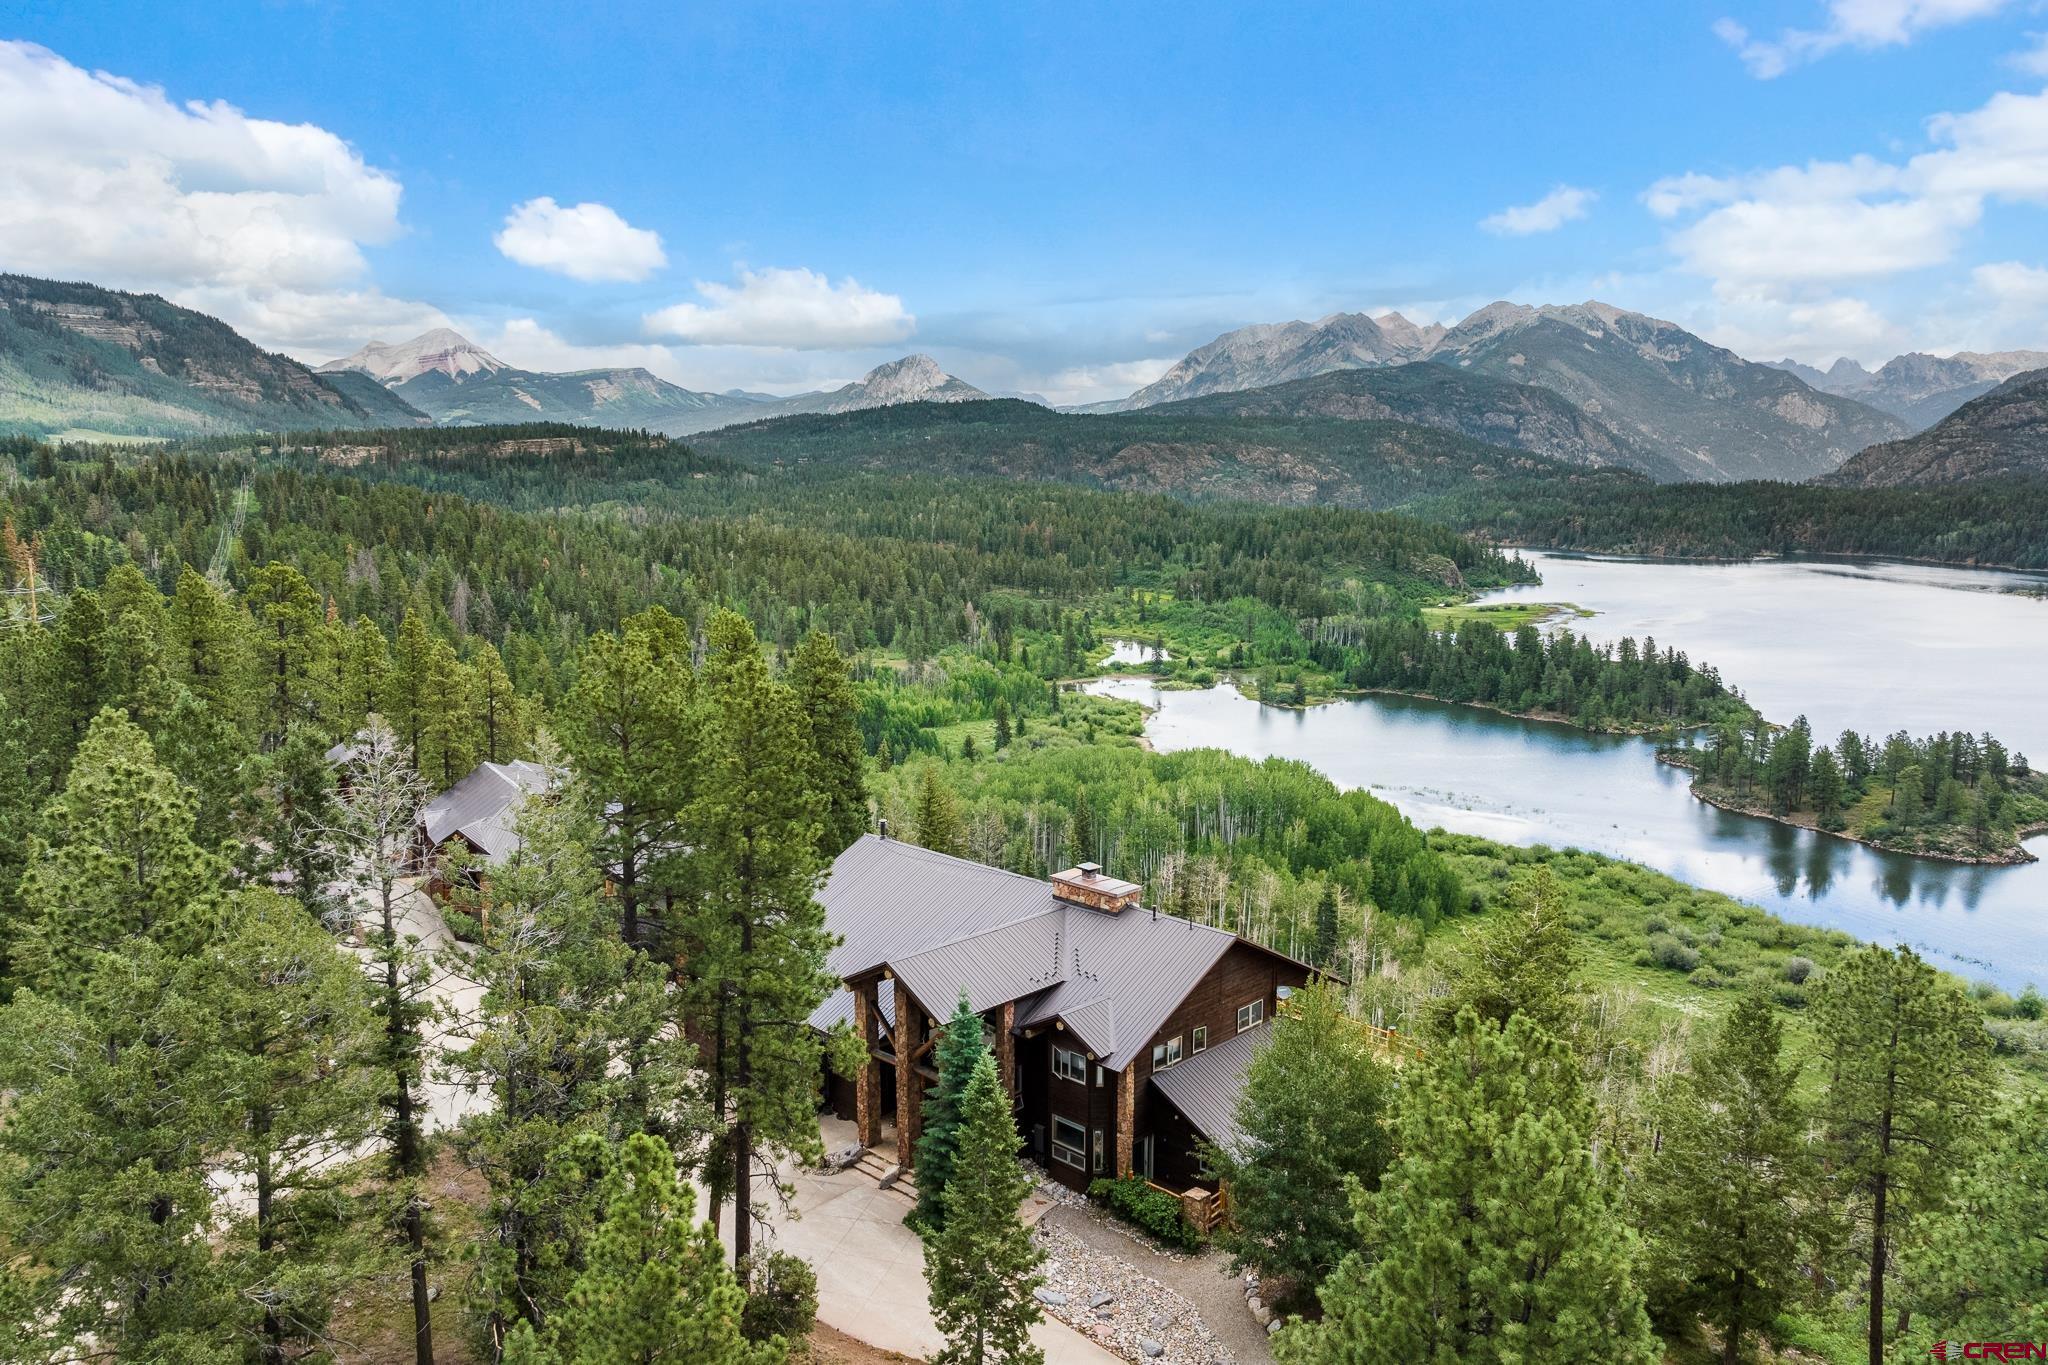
[871,1267]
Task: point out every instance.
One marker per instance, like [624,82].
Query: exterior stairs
[886,1173]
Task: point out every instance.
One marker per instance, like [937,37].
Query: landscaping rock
[1150,1349]
[1049,1297]
[1100,1299]
[1127,1312]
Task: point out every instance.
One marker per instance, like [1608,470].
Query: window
[1068,1141]
[1069,1066]
[1098,1077]
[1166,1054]
[1200,1040]
[1251,1015]
[1095,1154]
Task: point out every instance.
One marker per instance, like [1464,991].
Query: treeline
[1952,793]
[1617,686]
[1990,523]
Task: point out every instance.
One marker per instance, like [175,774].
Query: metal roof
[1205,1086]
[484,805]
[944,924]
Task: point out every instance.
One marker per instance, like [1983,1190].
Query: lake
[1955,649]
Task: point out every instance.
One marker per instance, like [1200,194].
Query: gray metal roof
[945,924]
[484,805]
[1205,1086]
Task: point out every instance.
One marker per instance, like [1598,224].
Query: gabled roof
[944,925]
[482,807]
[1204,1088]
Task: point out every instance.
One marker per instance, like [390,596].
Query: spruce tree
[1523,960]
[959,1048]
[1325,949]
[1724,1200]
[1312,1116]
[654,1286]
[1905,1054]
[296,805]
[839,769]
[982,1265]
[291,642]
[1491,1238]
[755,936]
[937,816]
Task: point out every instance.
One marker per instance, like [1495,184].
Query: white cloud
[1547,214]
[585,242]
[2033,61]
[1866,25]
[2011,282]
[108,180]
[800,309]
[1094,383]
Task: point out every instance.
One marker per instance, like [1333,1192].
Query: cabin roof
[1205,1087]
[483,806]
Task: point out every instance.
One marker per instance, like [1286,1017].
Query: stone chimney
[1086,885]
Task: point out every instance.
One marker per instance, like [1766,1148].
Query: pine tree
[1081,831]
[561,993]
[211,650]
[755,938]
[1491,1238]
[839,771]
[502,732]
[288,1069]
[291,640]
[1523,960]
[447,725]
[211,758]
[654,1286]
[1979,1269]
[125,862]
[365,674]
[1724,1199]
[372,838]
[1312,1116]
[959,1048]
[1325,949]
[937,817]
[1906,1055]
[630,726]
[1002,716]
[982,1266]
[410,701]
[296,805]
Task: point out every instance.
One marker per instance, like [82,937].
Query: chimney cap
[1088,869]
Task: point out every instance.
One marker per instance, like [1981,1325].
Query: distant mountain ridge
[2001,434]
[1705,410]
[1497,411]
[79,358]
[441,349]
[1918,388]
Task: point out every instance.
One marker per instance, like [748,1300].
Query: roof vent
[1086,885]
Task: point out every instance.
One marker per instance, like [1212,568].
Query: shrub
[1797,969]
[1792,997]
[1668,952]
[782,1299]
[1149,1210]
[1656,924]
[2028,1006]
[1706,977]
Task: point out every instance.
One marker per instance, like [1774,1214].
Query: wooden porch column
[906,1077]
[1006,1048]
[1126,1113]
[867,1085]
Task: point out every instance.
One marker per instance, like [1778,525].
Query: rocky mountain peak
[443,349]
[905,380]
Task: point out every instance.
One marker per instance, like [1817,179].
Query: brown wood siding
[1241,975]
[1092,1106]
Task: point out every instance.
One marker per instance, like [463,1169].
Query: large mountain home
[474,821]
[1121,1034]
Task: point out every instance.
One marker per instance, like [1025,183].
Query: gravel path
[1202,1280]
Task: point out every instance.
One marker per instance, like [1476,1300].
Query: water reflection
[1526,783]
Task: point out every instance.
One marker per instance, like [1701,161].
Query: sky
[1058,199]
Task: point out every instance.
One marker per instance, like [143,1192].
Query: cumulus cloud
[1094,383]
[798,309]
[2011,282]
[2034,60]
[585,241]
[264,223]
[1547,214]
[1865,25]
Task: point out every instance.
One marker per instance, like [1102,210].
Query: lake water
[1136,653]
[1796,637]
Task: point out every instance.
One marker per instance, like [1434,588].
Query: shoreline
[2016,856]
[1762,556]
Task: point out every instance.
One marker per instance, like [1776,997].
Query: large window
[1166,1054]
[1069,1143]
[1251,1015]
[1069,1066]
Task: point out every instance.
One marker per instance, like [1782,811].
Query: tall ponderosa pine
[1725,1199]
[1979,1269]
[1491,1237]
[756,939]
[958,1051]
[296,806]
[937,817]
[1905,1055]
[1312,1116]
[372,837]
[654,1286]
[291,645]
[629,726]
[562,995]
[839,771]
[1524,960]
[982,1266]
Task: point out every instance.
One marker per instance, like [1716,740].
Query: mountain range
[1702,410]
[1917,388]
[2002,434]
[81,361]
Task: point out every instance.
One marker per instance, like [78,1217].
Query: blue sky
[1053,198]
